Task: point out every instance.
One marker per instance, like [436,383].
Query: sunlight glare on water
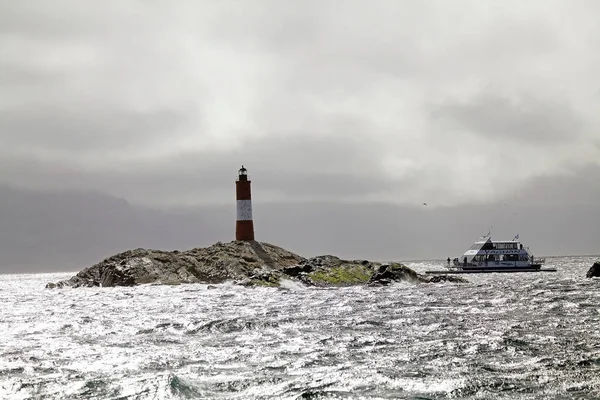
[501,336]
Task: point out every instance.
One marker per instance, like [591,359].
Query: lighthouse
[244,227]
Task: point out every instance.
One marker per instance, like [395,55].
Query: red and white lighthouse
[244,227]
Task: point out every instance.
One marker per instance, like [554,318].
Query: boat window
[488,246]
[505,246]
[480,245]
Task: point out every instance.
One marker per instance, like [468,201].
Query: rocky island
[248,263]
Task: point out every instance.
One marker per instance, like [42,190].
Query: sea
[500,336]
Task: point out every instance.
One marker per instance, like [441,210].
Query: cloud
[81,129]
[513,122]
[392,102]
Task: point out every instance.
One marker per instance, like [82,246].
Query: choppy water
[503,336]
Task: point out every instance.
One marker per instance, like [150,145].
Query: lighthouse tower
[244,227]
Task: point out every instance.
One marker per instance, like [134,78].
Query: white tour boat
[498,256]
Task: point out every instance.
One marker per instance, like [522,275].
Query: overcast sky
[160,102]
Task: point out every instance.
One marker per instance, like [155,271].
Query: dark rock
[326,261]
[594,270]
[447,278]
[388,273]
[296,270]
[304,278]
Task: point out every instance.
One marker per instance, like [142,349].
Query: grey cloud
[525,118]
[85,127]
[63,18]
[13,77]
[308,168]
[313,97]
[577,187]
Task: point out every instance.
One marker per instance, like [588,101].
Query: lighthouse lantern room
[243,174]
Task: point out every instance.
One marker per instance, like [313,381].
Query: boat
[490,254]
[487,255]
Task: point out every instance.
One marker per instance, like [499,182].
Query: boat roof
[485,239]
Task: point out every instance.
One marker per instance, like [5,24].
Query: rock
[330,270]
[594,270]
[247,263]
[388,273]
[296,270]
[326,261]
[447,278]
[215,264]
[264,278]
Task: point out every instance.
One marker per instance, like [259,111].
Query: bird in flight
[424,204]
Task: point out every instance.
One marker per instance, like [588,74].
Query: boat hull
[488,270]
[499,266]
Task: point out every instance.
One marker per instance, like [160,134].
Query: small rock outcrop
[447,278]
[247,263]
[594,271]
[394,272]
[333,271]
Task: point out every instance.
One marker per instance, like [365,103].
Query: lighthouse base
[244,230]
